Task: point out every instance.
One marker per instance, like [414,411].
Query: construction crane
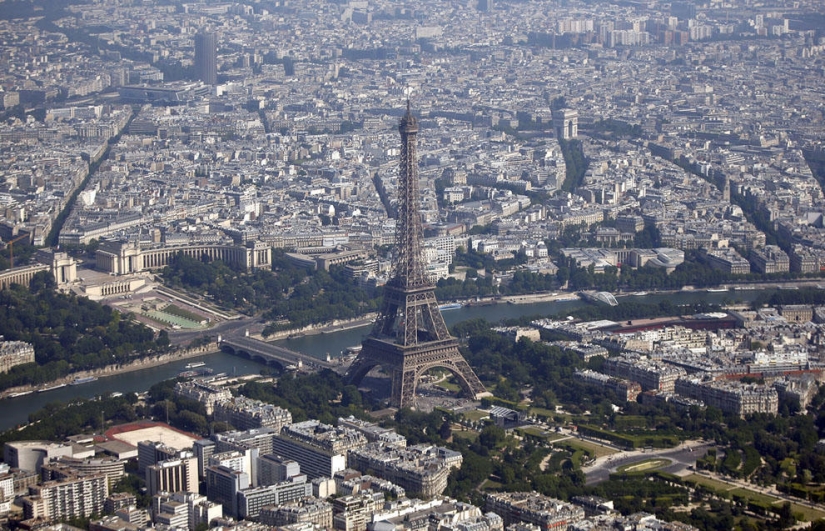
[10,245]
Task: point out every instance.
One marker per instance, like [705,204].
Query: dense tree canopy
[511,366]
[57,421]
[575,162]
[321,396]
[290,296]
[69,333]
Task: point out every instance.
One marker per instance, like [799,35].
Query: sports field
[152,431]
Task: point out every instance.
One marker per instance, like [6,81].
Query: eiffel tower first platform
[410,336]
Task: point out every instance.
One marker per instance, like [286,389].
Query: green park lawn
[467,434]
[809,514]
[543,434]
[754,496]
[714,484]
[596,449]
[649,464]
[475,415]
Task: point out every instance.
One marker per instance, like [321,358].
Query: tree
[69,333]
[506,390]
[491,436]
[193,422]
[786,517]
[445,431]
[135,485]
[42,281]
[576,164]
[351,397]
[163,339]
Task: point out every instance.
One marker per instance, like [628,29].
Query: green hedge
[488,401]
[654,474]
[628,440]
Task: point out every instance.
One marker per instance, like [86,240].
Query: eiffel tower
[410,336]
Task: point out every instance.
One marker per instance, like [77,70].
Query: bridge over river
[271,354]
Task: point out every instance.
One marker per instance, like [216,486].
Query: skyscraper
[206,57]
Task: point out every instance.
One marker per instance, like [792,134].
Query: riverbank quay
[731,288]
[111,370]
[323,328]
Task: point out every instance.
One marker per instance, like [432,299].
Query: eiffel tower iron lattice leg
[406,365]
[447,356]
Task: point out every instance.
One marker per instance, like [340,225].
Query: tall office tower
[152,452]
[206,57]
[273,469]
[204,449]
[410,336]
[223,485]
[173,475]
[319,449]
[245,461]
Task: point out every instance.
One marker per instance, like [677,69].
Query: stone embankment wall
[136,365]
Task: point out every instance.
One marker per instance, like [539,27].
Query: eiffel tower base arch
[407,364]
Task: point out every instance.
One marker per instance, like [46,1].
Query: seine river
[15,411]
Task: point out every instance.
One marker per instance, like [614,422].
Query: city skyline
[221,174]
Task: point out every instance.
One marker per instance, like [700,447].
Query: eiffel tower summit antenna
[410,336]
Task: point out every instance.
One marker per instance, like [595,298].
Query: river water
[15,411]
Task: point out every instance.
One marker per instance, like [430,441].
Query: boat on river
[81,381]
[566,298]
[194,373]
[21,393]
[52,388]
